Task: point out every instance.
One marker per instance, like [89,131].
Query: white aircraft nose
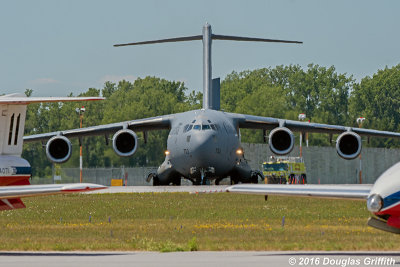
[384,196]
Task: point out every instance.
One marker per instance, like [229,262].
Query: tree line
[323,94]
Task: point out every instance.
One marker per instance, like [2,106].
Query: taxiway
[203,258]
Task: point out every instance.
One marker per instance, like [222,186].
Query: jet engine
[348,145]
[58,149]
[281,141]
[125,143]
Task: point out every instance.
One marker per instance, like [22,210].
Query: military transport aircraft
[16,171]
[383,197]
[205,144]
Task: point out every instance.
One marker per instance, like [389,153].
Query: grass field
[182,221]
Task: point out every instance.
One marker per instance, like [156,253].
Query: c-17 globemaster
[205,144]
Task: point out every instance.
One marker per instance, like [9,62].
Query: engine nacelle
[125,143]
[58,149]
[281,141]
[348,145]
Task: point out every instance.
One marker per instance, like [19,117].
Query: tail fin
[208,91]
[11,204]
[12,119]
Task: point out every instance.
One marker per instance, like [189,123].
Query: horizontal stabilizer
[11,204]
[251,39]
[213,36]
[170,40]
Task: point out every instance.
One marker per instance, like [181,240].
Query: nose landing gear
[203,179]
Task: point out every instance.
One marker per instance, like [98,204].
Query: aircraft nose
[203,141]
[203,146]
[374,203]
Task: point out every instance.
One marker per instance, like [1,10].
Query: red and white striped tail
[11,204]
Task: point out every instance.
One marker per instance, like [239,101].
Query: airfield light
[239,151]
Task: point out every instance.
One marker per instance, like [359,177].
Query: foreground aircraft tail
[12,119]
[210,87]
[11,204]
[14,170]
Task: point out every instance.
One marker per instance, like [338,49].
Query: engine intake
[58,149]
[348,145]
[281,141]
[125,143]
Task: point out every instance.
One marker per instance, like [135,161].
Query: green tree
[377,98]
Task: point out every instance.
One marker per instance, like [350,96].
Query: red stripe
[395,210]
[394,221]
[15,180]
[16,203]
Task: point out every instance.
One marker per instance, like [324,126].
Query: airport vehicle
[383,197]
[205,144]
[284,170]
[15,171]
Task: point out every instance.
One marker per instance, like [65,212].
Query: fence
[326,167]
[323,166]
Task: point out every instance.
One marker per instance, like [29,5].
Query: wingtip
[83,187]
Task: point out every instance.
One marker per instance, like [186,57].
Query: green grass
[186,222]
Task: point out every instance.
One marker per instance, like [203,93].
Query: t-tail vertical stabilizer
[211,90]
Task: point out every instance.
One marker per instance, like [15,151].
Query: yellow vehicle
[285,170]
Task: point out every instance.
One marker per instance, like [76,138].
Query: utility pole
[302,117]
[360,121]
[80,112]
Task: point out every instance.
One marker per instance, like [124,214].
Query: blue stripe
[391,199]
[23,170]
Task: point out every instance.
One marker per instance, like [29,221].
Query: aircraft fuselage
[204,143]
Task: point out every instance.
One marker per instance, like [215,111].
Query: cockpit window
[206,127]
[187,128]
[193,121]
[202,127]
[174,131]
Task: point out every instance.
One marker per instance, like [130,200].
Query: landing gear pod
[348,145]
[58,149]
[281,141]
[125,143]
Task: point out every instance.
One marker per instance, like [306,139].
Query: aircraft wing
[24,100]
[268,123]
[349,191]
[147,124]
[7,192]
[10,195]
